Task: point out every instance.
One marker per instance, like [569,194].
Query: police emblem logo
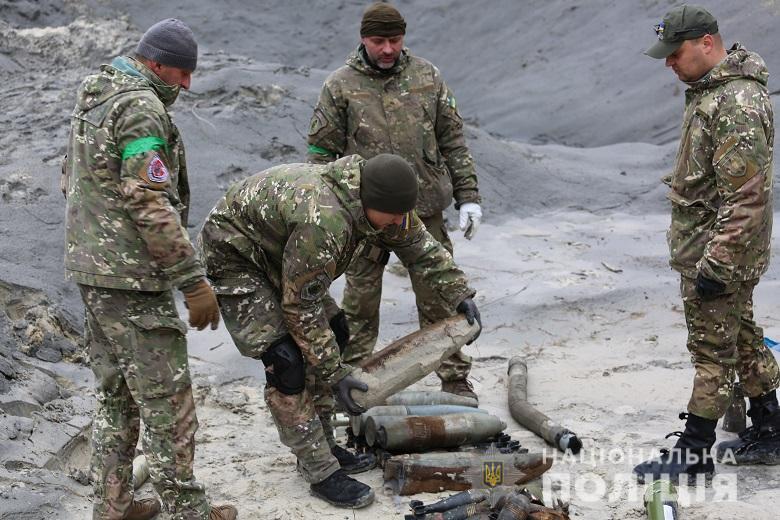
[156,171]
[492,473]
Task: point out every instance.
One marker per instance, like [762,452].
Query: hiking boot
[759,444]
[352,462]
[689,457]
[143,509]
[341,490]
[459,387]
[224,512]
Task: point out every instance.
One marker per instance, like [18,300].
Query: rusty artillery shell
[358,422]
[531,418]
[411,358]
[433,397]
[408,434]
[456,471]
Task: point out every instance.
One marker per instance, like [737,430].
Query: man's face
[384,51]
[690,62]
[380,220]
[172,75]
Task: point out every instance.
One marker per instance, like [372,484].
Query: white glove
[470,217]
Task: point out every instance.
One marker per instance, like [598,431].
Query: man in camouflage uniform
[387,101]
[721,194]
[273,245]
[125,180]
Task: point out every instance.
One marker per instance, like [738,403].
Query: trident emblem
[492,473]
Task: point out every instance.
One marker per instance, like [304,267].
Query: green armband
[143,145]
[320,151]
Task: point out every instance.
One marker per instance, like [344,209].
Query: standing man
[384,100]
[721,194]
[272,246]
[125,180]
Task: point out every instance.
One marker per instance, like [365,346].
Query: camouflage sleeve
[308,268]
[742,161]
[423,254]
[144,185]
[327,130]
[452,145]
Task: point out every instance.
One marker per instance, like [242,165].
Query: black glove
[709,289]
[342,391]
[469,308]
[340,328]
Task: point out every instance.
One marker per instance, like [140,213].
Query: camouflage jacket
[721,186]
[296,227]
[408,111]
[125,180]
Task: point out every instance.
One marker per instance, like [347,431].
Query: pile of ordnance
[436,441]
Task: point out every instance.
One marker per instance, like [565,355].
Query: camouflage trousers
[725,342]
[138,352]
[303,420]
[363,294]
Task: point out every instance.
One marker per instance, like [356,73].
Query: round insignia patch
[157,172]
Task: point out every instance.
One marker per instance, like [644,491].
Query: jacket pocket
[159,367]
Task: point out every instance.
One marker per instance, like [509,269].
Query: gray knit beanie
[171,43]
[388,183]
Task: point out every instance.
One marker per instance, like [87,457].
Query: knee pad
[289,368]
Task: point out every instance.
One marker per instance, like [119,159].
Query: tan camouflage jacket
[125,180]
[407,111]
[296,227]
[722,181]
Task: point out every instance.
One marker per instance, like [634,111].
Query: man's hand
[342,390]
[470,217]
[709,289]
[202,304]
[469,309]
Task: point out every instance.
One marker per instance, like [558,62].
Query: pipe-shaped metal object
[661,501]
[464,512]
[430,397]
[409,434]
[471,496]
[358,422]
[410,359]
[456,471]
[140,471]
[531,418]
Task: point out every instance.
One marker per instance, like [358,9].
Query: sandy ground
[570,264]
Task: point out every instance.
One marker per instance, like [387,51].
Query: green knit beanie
[388,184]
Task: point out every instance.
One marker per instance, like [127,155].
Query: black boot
[353,463]
[690,455]
[341,490]
[759,444]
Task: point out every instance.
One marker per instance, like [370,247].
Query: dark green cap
[686,22]
[388,184]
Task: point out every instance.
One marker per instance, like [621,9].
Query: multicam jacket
[296,228]
[125,180]
[408,111]
[722,181]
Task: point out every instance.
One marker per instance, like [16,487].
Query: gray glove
[343,388]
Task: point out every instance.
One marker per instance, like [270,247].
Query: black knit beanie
[171,43]
[388,184]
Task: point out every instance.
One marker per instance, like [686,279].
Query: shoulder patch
[156,171]
[315,289]
[318,122]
